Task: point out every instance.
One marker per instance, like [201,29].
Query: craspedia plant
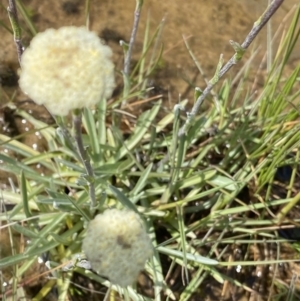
[65,69]
[117,245]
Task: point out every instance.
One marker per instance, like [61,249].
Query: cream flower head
[117,245]
[66,69]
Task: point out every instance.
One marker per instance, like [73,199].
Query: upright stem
[77,122]
[258,25]
[137,14]
[14,20]
[128,52]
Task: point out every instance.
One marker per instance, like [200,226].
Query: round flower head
[117,245]
[67,69]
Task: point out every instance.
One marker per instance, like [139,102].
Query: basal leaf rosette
[117,245]
[65,69]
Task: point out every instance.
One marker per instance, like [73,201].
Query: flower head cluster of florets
[117,245]
[67,69]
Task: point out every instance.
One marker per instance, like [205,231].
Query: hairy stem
[14,20]
[77,122]
[136,21]
[258,25]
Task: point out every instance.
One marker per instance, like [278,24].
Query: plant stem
[258,25]
[87,13]
[77,121]
[14,20]
[137,13]
[128,52]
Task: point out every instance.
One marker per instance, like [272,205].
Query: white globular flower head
[65,69]
[117,245]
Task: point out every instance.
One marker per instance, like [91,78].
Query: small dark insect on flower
[121,241]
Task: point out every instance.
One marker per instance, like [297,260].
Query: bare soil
[207,25]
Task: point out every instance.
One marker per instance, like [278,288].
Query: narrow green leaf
[12,260]
[142,181]
[141,128]
[194,258]
[25,231]
[25,196]
[90,126]
[123,199]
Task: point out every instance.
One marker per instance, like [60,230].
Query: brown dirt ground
[209,25]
